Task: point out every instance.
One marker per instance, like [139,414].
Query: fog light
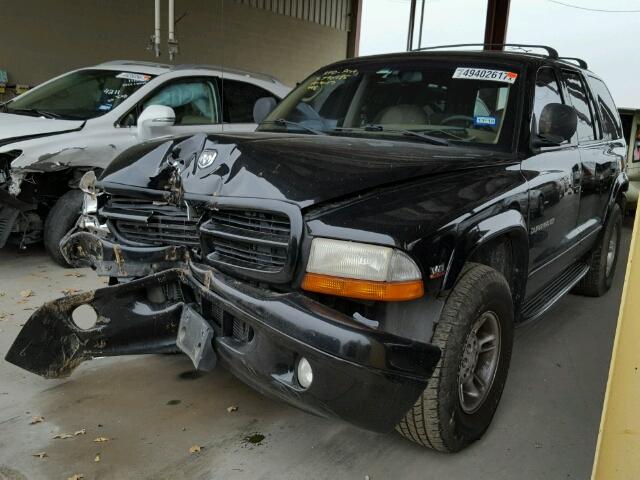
[304,373]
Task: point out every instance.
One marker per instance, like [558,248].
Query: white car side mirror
[152,117]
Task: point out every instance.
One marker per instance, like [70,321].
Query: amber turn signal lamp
[363,289]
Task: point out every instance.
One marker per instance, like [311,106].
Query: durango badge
[206,158]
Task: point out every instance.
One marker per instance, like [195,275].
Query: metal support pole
[412,18]
[495,31]
[155,38]
[421,24]
[172,43]
[353,37]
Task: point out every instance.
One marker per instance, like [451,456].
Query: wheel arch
[620,186]
[485,242]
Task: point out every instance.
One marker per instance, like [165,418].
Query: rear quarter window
[611,125]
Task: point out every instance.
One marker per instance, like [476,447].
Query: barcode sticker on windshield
[485,74]
[136,77]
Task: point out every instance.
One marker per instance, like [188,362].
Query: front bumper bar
[365,376]
[84,249]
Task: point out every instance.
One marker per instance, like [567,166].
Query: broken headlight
[89,221]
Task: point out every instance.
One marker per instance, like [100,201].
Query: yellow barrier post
[618,450]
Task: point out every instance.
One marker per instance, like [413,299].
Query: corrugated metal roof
[330,13]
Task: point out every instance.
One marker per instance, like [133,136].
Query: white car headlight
[360,270]
[88,183]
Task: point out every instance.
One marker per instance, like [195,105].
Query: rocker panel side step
[549,295]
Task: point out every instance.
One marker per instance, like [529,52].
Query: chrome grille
[143,222]
[249,239]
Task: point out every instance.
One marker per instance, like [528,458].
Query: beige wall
[43,38]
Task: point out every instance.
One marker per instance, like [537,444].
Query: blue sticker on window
[485,121]
[105,106]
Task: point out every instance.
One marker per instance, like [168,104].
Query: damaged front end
[11,208]
[211,256]
[362,375]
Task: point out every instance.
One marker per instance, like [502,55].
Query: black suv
[368,251]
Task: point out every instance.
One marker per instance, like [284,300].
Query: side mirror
[154,116]
[263,107]
[557,124]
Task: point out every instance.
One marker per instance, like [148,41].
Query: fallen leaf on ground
[255,439]
[97,458]
[101,439]
[195,449]
[36,419]
[63,436]
[40,455]
[26,293]
[77,476]
[80,432]
[232,408]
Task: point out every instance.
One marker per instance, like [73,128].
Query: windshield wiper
[424,136]
[284,122]
[34,111]
[413,133]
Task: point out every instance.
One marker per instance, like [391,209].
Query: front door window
[194,101]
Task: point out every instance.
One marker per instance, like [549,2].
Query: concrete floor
[153,409]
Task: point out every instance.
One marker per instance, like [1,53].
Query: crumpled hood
[17,127]
[301,169]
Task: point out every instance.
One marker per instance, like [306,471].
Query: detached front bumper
[365,376]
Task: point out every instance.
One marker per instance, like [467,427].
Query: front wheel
[61,219]
[475,334]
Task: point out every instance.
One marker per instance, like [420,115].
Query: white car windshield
[79,95]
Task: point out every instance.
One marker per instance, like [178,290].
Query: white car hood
[17,126]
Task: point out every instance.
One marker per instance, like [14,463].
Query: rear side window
[580,101]
[547,91]
[611,125]
[239,99]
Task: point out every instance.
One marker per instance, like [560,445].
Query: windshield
[460,102]
[79,95]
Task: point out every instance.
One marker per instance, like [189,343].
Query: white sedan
[80,121]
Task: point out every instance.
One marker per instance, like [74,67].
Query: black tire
[599,278]
[438,420]
[60,220]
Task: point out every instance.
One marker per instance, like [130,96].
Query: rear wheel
[475,334]
[603,259]
[61,219]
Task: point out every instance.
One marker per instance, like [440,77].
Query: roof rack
[551,52]
[581,63]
